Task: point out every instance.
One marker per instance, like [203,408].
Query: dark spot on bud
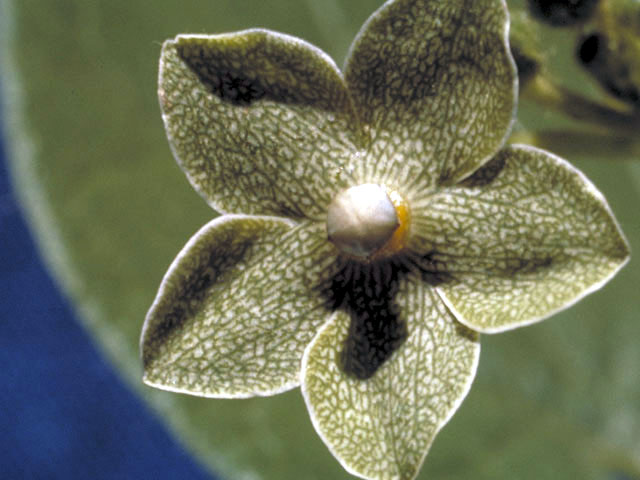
[562,13]
[589,48]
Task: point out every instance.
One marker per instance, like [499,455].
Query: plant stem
[613,119]
[570,143]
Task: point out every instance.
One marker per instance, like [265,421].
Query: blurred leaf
[111,208]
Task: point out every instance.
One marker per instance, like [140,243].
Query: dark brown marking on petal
[190,297]
[367,292]
[485,174]
[220,79]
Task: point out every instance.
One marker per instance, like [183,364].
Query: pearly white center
[361,220]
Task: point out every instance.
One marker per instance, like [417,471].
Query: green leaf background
[111,209]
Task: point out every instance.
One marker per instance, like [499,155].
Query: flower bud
[611,52]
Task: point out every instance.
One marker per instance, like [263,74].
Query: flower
[374,224]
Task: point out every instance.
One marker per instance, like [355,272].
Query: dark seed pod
[562,12]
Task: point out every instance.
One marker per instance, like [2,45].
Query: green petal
[524,237]
[436,84]
[260,122]
[237,308]
[380,425]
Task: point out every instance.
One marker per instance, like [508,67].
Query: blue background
[64,413]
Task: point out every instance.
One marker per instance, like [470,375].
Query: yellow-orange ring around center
[398,240]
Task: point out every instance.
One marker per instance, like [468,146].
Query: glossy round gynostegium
[361,220]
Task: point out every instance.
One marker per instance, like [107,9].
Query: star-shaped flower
[373,224]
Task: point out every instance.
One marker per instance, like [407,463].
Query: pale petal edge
[161,292]
[515,90]
[597,195]
[314,420]
[280,36]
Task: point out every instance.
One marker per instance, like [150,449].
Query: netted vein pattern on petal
[436,85]
[260,122]
[382,427]
[237,309]
[522,238]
